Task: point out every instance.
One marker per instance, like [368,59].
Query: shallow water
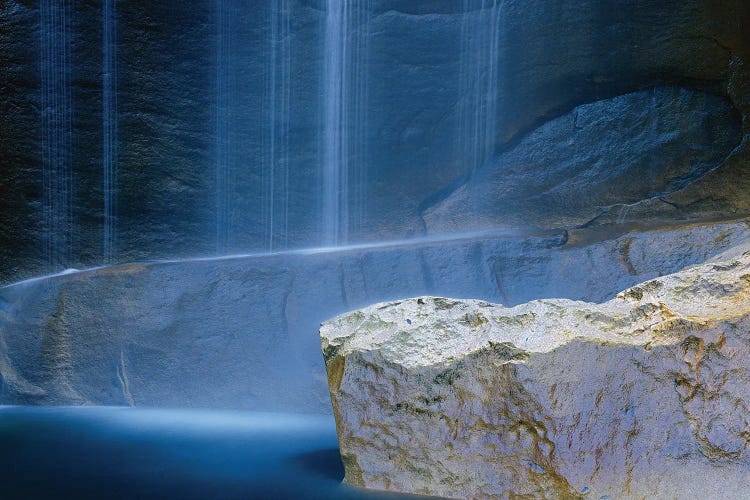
[111,452]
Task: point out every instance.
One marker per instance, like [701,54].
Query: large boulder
[643,396]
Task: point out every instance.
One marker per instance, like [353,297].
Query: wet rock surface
[241,332]
[641,396]
[551,57]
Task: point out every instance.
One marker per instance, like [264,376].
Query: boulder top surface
[425,331]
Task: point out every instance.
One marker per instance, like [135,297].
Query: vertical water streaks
[344,114]
[478,81]
[333,96]
[57,141]
[358,153]
[223,115]
[276,172]
[109,127]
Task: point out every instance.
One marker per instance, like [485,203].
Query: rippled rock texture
[641,396]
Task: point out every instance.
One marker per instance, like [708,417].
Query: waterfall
[57,140]
[109,127]
[223,115]
[358,147]
[344,113]
[478,77]
[276,171]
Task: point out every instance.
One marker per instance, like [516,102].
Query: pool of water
[111,452]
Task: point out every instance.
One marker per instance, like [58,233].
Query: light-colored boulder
[643,396]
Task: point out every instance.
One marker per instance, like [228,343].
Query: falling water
[109,126]
[276,173]
[358,148]
[334,45]
[622,214]
[57,171]
[478,77]
[344,155]
[222,116]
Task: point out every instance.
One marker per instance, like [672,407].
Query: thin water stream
[344,118]
[57,133]
[109,128]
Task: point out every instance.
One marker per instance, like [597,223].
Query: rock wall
[240,332]
[643,396]
[551,57]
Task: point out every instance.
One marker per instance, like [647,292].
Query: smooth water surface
[110,452]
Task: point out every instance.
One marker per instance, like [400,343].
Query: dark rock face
[20,182]
[165,100]
[165,128]
[617,151]
[551,57]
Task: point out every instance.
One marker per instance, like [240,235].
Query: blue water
[106,452]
